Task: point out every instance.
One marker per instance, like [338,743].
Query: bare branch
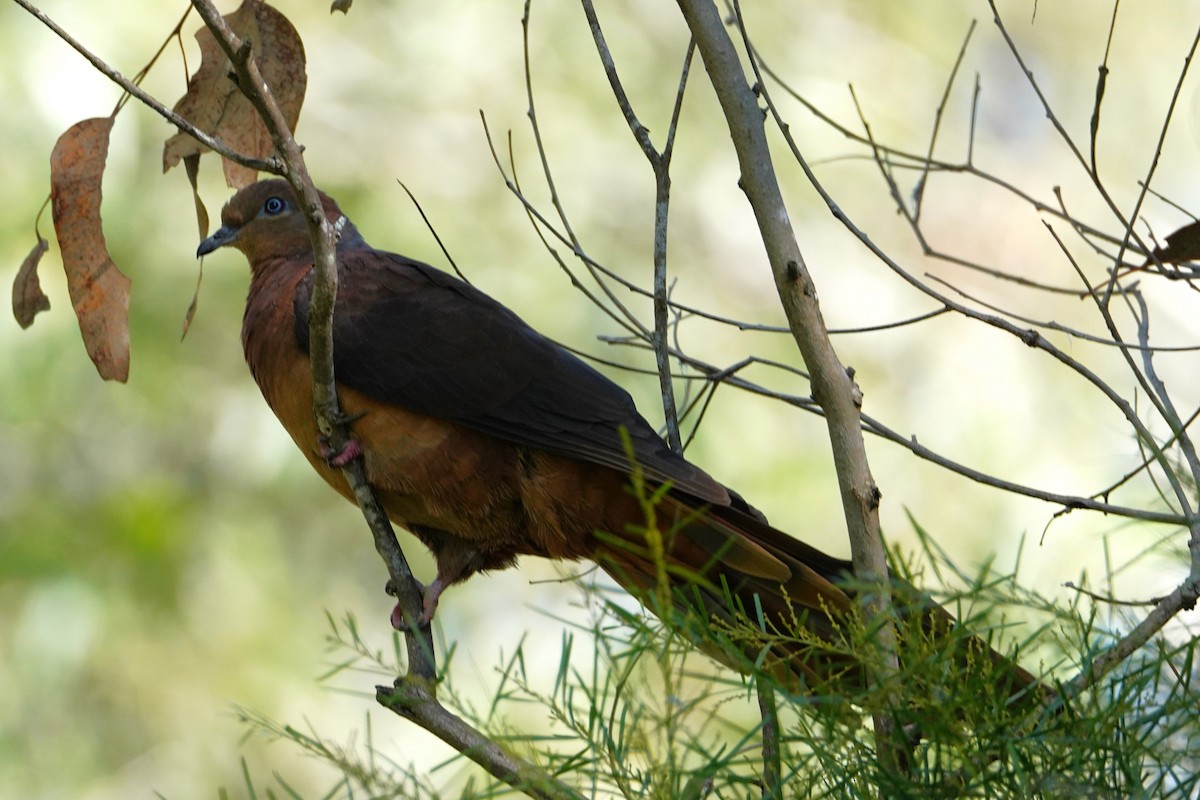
[414,701]
[272,165]
[537,131]
[919,192]
[832,385]
[1182,599]
[660,163]
[626,319]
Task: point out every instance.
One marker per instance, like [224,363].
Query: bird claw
[338,457]
[346,419]
[429,595]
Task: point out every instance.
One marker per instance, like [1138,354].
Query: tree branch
[271,165]
[832,384]
[414,701]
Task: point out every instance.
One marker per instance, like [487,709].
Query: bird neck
[269,324]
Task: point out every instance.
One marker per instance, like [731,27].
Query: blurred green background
[166,555]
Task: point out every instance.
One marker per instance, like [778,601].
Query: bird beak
[223,236]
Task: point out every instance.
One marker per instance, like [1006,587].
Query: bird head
[265,221]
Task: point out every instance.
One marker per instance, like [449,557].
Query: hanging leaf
[1182,245]
[28,299]
[190,314]
[214,104]
[99,291]
[191,165]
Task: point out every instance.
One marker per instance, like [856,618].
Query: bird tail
[752,595]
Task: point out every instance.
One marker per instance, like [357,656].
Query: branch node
[242,54]
[874,497]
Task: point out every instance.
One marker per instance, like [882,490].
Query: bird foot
[338,457]
[429,595]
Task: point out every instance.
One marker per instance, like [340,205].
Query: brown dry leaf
[190,314]
[1182,245]
[99,291]
[191,164]
[214,104]
[28,299]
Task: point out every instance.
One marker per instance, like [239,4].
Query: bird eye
[274,205]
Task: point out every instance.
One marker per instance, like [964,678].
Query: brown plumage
[489,442]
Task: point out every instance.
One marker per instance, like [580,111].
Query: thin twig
[625,318]
[922,182]
[598,273]
[660,163]
[1109,599]
[1146,462]
[1029,337]
[1049,324]
[433,232]
[145,70]
[1067,501]
[1097,183]
[1101,84]
[772,772]
[271,165]
[1143,432]
[1170,414]
[537,131]
[900,159]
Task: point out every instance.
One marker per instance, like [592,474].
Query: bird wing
[414,336]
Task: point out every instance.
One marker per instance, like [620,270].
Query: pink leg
[342,457]
[455,564]
[430,595]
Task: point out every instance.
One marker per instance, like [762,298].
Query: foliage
[635,711]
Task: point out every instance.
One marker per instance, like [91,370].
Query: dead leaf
[1182,245]
[214,104]
[191,309]
[340,5]
[191,165]
[99,291]
[28,299]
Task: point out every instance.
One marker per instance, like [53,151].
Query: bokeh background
[165,555]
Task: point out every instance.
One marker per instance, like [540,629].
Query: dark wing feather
[411,335]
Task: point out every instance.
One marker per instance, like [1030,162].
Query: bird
[488,441]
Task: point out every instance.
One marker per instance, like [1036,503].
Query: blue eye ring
[274,205]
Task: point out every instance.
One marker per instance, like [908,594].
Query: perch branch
[325,401]
[413,695]
[415,702]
